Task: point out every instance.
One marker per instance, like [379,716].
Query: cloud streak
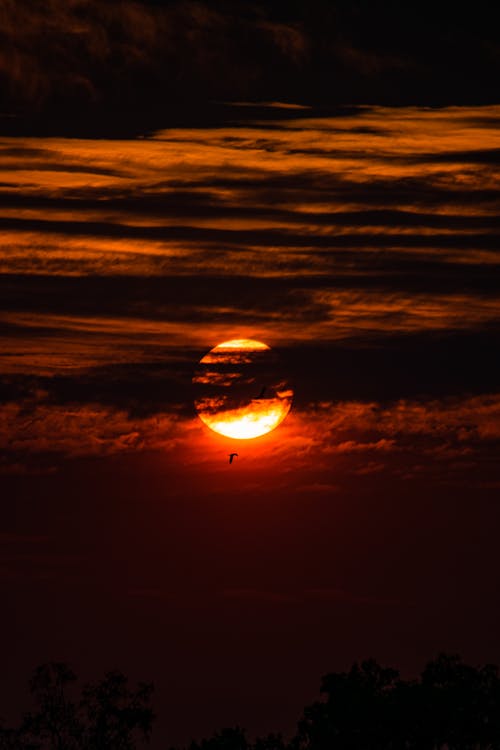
[369,259]
[141,58]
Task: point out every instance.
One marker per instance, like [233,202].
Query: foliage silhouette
[113,713]
[356,713]
[452,706]
[107,716]
[55,722]
[227,739]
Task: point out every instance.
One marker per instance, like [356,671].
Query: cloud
[214,201]
[367,259]
[142,58]
[461,419]
[351,446]
[81,431]
[330,437]
[123,53]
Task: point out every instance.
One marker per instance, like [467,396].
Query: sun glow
[249,422]
[242,345]
[241,394]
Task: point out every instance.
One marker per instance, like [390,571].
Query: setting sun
[241,393]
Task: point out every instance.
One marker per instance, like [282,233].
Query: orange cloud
[369,434]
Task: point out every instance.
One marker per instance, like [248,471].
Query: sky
[126,66]
[359,242]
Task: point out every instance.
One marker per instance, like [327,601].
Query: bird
[231,456]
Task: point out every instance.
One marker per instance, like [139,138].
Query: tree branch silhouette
[451,706]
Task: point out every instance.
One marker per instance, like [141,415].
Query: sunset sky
[361,244]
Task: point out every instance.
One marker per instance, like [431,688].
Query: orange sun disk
[254,419]
[250,421]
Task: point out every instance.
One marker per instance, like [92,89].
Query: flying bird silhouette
[231,456]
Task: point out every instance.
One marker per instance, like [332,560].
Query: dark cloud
[151,59]
[385,263]
[249,237]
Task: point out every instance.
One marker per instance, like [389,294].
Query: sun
[240,390]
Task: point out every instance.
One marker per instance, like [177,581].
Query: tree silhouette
[356,713]
[55,722]
[114,714]
[462,703]
[452,706]
[230,738]
[270,742]
[234,738]
[108,716]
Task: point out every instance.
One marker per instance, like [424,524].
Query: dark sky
[360,242]
[128,66]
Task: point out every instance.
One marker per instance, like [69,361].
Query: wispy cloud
[364,245]
[367,437]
